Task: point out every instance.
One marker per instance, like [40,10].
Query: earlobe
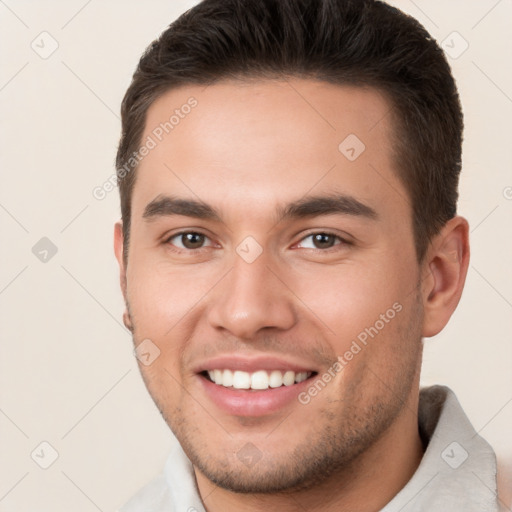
[127,320]
[118,250]
[447,263]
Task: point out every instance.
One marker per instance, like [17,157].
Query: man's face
[267,278]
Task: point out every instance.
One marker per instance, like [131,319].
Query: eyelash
[342,241]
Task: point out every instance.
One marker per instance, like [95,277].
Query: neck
[370,482]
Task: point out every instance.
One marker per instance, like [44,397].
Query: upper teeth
[256,380]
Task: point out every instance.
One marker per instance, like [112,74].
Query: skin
[246,149]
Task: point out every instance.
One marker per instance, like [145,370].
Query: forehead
[268,140]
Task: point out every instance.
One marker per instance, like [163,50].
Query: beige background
[67,373]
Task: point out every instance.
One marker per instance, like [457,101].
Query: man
[288,174]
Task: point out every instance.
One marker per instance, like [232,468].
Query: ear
[118,250]
[445,265]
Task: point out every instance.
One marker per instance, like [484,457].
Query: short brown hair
[346,42]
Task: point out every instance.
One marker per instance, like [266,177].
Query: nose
[251,297]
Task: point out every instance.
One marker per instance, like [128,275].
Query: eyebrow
[333,204]
[310,206]
[163,206]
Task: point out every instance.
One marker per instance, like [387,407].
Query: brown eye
[188,240]
[323,240]
[320,241]
[192,240]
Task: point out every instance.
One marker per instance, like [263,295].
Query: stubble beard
[331,451]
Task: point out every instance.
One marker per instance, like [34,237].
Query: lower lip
[252,403]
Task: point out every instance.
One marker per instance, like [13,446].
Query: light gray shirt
[457,472]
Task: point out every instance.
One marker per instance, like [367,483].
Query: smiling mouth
[258,380]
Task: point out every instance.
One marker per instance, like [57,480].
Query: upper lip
[253,364]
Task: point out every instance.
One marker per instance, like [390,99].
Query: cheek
[160,294]
[348,300]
